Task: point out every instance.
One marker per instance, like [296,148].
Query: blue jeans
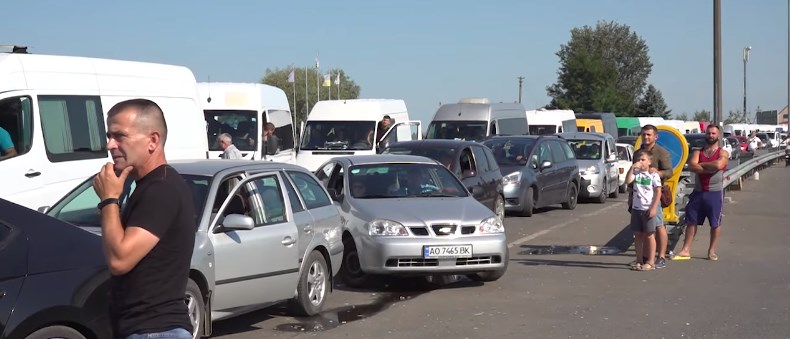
[177,333]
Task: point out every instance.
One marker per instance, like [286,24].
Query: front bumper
[591,185]
[514,197]
[404,255]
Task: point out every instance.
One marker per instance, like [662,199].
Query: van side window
[480,159]
[16,126]
[73,127]
[557,153]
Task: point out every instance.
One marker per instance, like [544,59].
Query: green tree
[589,85]
[702,115]
[682,116]
[652,104]
[736,117]
[278,77]
[618,48]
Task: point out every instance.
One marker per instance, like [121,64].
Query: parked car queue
[356,216]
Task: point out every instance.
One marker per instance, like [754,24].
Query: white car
[625,157]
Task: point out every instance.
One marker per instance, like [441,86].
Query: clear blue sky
[424,52]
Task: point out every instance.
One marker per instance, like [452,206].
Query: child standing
[644,205]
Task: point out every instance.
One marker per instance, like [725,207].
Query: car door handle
[2,294]
[308,229]
[288,241]
[31,174]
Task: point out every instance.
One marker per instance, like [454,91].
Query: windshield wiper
[378,196]
[436,194]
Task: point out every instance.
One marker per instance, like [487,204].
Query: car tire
[572,198]
[615,193]
[351,270]
[527,203]
[56,332]
[602,198]
[196,307]
[489,276]
[499,207]
[313,285]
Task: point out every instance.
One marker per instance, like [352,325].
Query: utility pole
[717,62]
[788,65]
[521,82]
[745,61]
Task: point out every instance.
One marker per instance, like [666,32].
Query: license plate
[447,251]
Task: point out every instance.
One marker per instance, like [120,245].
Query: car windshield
[445,155]
[338,135]
[586,149]
[763,137]
[399,180]
[733,142]
[510,151]
[79,206]
[457,130]
[622,153]
[241,125]
[696,141]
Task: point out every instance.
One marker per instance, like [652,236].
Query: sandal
[713,257]
[637,267]
[646,267]
[634,264]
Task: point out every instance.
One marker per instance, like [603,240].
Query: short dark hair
[269,125]
[650,127]
[386,117]
[146,110]
[714,126]
[641,152]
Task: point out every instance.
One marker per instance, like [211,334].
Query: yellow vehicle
[589,125]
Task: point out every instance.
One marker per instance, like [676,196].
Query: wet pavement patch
[556,249]
[401,290]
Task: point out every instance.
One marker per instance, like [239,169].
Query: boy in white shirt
[644,206]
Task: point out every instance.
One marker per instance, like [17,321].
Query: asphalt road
[552,290]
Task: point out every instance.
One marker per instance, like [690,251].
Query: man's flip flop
[681,257]
[713,257]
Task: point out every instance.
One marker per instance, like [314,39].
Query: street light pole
[520,82]
[717,118]
[746,51]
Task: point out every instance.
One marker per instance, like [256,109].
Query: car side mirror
[43,209]
[467,174]
[238,222]
[335,195]
[611,158]
[546,164]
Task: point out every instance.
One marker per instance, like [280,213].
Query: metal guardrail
[735,175]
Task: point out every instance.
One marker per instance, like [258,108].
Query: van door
[69,146]
[284,151]
[402,131]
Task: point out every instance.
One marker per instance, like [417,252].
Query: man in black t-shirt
[148,249]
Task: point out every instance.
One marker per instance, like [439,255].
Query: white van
[242,110]
[474,119]
[346,127]
[55,109]
[679,125]
[543,121]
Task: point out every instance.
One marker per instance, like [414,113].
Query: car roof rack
[15,49]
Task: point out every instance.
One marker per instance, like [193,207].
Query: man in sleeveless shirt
[707,200]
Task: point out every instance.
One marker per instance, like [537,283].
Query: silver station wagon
[266,232]
[409,215]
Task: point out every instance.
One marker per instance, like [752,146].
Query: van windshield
[542,129]
[457,130]
[242,125]
[338,135]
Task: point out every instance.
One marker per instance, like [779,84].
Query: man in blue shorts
[707,200]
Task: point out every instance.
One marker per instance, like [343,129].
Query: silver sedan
[266,232]
[409,215]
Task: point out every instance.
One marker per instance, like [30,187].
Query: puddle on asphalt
[330,319]
[586,249]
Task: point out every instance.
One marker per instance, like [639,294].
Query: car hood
[423,211]
[587,163]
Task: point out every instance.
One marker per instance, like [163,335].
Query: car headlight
[386,228]
[492,225]
[512,178]
[589,170]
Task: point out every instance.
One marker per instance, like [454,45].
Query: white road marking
[561,225]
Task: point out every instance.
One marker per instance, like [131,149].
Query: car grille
[493,259]
[419,230]
[411,262]
[421,262]
[444,229]
[468,229]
